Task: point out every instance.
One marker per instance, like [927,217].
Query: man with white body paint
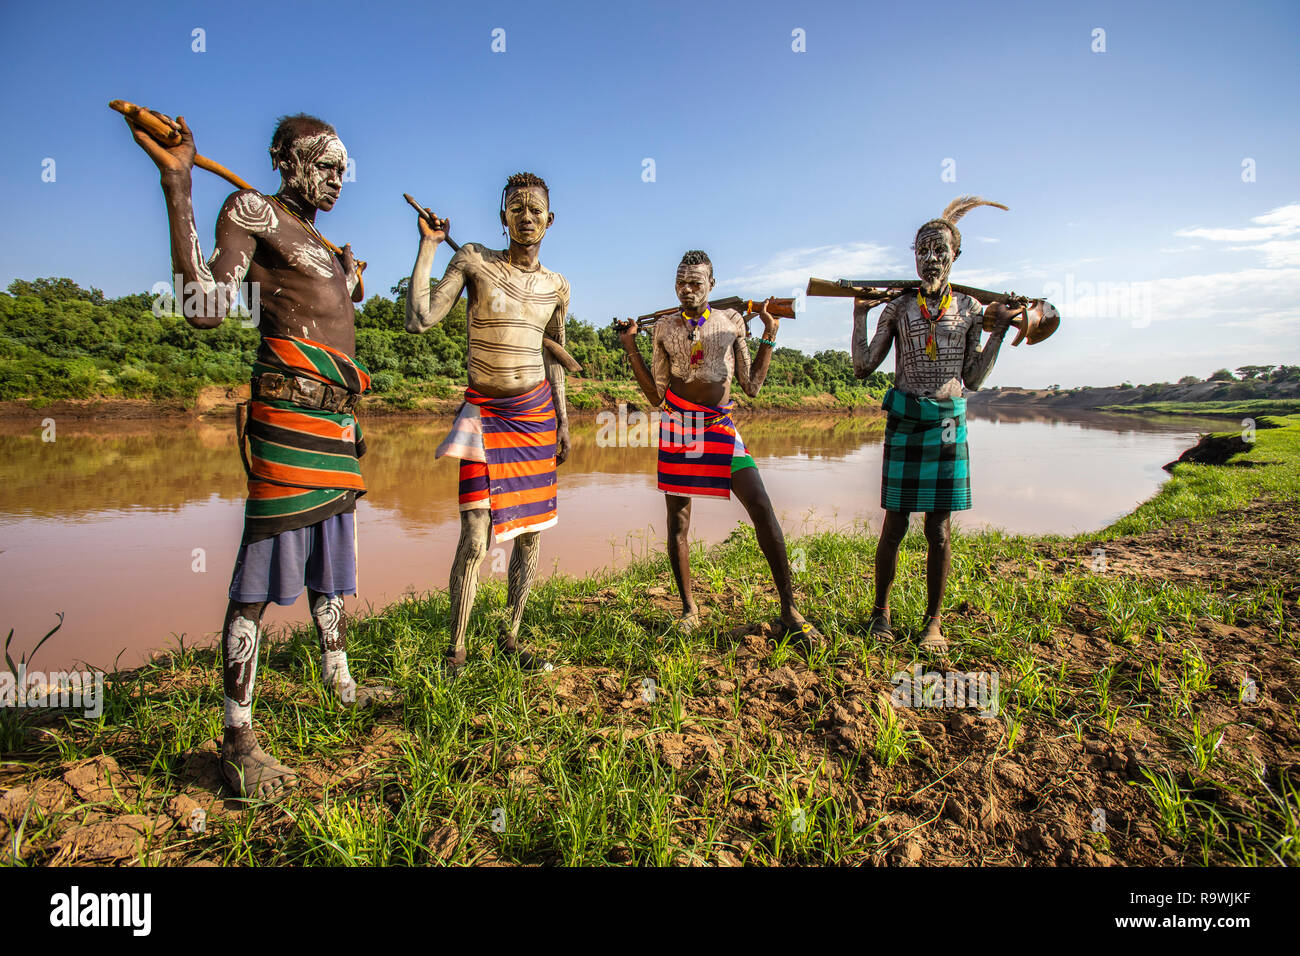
[303,481]
[513,429]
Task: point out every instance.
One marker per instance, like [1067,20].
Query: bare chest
[498,292]
[703,354]
[301,290]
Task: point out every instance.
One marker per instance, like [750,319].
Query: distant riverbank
[1253,396]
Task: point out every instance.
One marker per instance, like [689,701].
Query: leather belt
[307,392]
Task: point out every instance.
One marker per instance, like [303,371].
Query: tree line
[61,341]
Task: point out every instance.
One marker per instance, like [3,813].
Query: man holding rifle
[695,352]
[304,476]
[935,334]
[513,428]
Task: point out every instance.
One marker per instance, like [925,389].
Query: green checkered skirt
[926,465]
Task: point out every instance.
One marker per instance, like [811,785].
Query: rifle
[557,350]
[781,308]
[168,134]
[1036,320]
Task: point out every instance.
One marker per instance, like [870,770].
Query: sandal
[805,633]
[878,624]
[933,642]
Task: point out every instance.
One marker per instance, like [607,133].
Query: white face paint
[315,169]
[527,212]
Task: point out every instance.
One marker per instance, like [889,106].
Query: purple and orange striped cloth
[507,452]
[303,464]
[699,448]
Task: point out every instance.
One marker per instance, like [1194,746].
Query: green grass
[500,767]
[1197,492]
[1244,407]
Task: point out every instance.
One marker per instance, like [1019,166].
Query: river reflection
[131,529]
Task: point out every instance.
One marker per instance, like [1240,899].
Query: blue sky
[1123,169]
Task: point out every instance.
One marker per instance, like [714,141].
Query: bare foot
[932,639]
[689,621]
[249,770]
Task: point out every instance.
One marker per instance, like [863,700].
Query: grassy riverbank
[1147,715]
[1248,407]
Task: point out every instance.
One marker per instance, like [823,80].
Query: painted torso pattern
[724,351]
[957,341]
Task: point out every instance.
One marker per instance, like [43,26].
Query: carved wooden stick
[166,132]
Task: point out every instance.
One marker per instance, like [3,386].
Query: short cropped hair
[696,257]
[290,128]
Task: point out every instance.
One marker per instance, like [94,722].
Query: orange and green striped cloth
[303,465]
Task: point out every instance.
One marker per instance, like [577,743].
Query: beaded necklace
[697,347]
[931,349]
[306,225]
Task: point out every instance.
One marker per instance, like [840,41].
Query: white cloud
[1282,221]
[1277,253]
[791,268]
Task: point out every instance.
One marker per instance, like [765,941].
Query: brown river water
[103,523]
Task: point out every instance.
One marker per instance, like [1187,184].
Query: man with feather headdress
[935,334]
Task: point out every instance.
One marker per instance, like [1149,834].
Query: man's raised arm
[868,356]
[751,378]
[653,385]
[425,309]
[210,287]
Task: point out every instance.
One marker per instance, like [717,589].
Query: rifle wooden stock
[557,351]
[781,308]
[166,134]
